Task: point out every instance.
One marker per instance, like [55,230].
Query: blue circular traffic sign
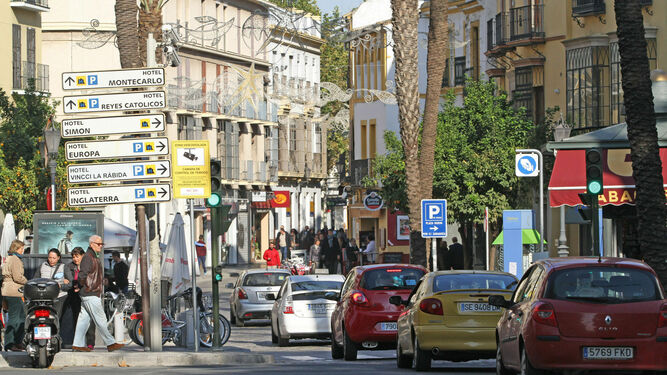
[527,165]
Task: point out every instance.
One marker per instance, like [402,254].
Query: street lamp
[52,138]
[562,131]
[340,168]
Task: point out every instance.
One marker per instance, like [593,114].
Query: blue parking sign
[139,193]
[434,218]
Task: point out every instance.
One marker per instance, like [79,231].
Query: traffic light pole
[214,263]
[595,222]
[195,305]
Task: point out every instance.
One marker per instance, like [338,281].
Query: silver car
[301,309]
[248,300]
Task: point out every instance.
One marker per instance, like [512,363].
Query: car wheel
[500,366]
[402,361]
[232,316]
[274,337]
[421,359]
[336,350]
[526,367]
[281,341]
[349,348]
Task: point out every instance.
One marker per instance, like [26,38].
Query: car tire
[274,337]
[349,348]
[232,316]
[281,341]
[336,350]
[526,367]
[421,360]
[500,366]
[402,360]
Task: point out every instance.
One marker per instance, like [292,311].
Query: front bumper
[456,339]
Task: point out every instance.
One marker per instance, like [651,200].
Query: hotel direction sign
[127,171]
[121,194]
[93,126]
[123,148]
[113,79]
[129,101]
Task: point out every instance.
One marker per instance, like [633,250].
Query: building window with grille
[16,56]
[523,92]
[445,77]
[617,106]
[186,127]
[292,136]
[588,87]
[459,71]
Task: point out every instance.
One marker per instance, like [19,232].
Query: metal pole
[434,251]
[595,221]
[486,236]
[562,239]
[541,162]
[195,309]
[52,168]
[214,263]
[143,264]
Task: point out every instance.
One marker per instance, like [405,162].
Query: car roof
[259,270]
[572,262]
[369,267]
[301,278]
[469,272]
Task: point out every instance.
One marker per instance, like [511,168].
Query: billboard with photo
[65,230]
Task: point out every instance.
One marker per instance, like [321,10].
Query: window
[474,53]
[265,279]
[232,150]
[318,139]
[186,127]
[363,139]
[292,136]
[445,77]
[316,285]
[617,106]
[371,138]
[523,284]
[473,281]
[588,87]
[391,279]
[16,55]
[459,71]
[523,92]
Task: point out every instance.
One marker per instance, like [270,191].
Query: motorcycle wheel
[42,359]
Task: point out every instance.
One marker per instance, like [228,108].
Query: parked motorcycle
[42,325]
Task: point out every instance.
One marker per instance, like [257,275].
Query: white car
[301,310]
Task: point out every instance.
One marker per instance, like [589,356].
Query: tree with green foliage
[308,6]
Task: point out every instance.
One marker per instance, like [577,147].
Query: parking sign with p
[434,218]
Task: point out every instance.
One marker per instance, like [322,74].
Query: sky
[345,6]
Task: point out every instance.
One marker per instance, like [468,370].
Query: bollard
[119,328]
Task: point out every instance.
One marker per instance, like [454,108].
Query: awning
[261,205]
[528,236]
[117,235]
[568,177]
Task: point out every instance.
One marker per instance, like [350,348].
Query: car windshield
[443,283]
[265,279]
[316,285]
[603,285]
[391,279]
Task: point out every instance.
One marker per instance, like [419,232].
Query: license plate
[608,352]
[261,295]
[318,308]
[473,307]
[42,333]
[388,326]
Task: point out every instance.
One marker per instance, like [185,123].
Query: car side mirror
[398,301]
[270,297]
[229,286]
[500,301]
[332,296]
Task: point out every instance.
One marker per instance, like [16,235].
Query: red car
[364,319]
[578,313]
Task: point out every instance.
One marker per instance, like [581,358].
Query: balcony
[489,35]
[31,5]
[527,22]
[501,29]
[360,169]
[587,7]
[31,72]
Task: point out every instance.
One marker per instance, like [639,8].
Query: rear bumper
[248,311]
[456,339]
[295,326]
[567,354]
[363,326]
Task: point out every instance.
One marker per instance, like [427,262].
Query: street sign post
[106,195]
[192,171]
[434,218]
[93,126]
[529,163]
[130,101]
[123,148]
[113,79]
[128,171]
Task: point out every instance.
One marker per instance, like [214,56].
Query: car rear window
[391,278]
[443,283]
[316,285]
[603,285]
[265,279]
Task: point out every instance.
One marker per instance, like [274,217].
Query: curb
[139,359]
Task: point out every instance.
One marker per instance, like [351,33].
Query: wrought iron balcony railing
[527,22]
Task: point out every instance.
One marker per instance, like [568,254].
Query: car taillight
[41,313]
[431,306]
[288,310]
[242,294]
[544,313]
[662,317]
[359,298]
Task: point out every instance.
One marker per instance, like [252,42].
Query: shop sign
[373,201]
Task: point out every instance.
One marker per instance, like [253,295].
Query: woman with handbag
[13,278]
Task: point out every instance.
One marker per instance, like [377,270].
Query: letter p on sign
[433,211]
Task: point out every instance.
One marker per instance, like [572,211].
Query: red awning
[568,178]
[261,205]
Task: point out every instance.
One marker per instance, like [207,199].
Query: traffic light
[218,273]
[594,171]
[215,200]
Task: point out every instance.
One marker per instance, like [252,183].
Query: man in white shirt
[370,250]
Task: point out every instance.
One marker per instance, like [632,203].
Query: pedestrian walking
[332,254]
[305,238]
[456,254]
[12,279]
[443,256]
[282,241]
[314,256]
[90,285]
[70,284]
[120,272]
[351,254]
[370,251]
[54,269]
[272,256]
[200,246]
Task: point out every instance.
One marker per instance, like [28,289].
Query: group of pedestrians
[450,258]
[80,284]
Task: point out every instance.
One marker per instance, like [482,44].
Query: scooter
[42,324]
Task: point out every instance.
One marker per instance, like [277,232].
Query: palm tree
[150,21]
[126,33]
[435,67]
[404,21]
[642,135]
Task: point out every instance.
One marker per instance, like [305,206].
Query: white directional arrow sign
[106,195]
[129,101]
[140,170]
[83,127]
[113,78]
[123,148]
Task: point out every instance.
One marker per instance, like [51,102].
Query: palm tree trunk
[435,67]
[150,21]
[126,33]
[643,136]
[405,19]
